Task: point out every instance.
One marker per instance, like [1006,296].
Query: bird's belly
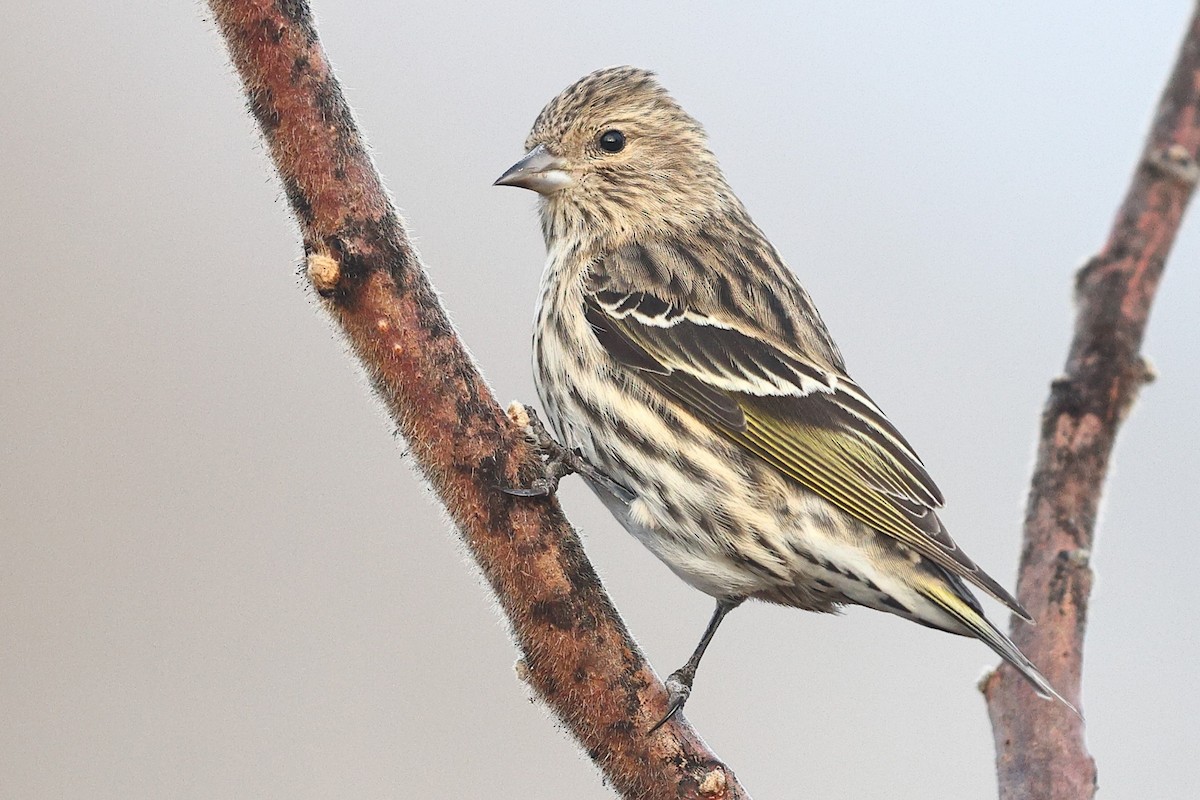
[633,443]
[712,573]
[721,520]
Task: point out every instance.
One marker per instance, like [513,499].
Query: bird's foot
[559,461]
[679,689]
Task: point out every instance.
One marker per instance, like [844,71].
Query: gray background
[220,578]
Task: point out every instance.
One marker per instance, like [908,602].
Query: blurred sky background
[219,577]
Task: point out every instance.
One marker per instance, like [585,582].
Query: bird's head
[614,154]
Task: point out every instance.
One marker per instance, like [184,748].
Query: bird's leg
[679,682]
[559,460]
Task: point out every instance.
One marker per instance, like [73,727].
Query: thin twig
[576,652]
[1040,748]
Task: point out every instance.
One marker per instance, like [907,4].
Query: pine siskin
[679,356]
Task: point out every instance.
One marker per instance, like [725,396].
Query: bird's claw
[541,487]
[560,461]
[679,689]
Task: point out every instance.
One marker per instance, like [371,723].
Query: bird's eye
[612,141]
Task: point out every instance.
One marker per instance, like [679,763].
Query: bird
[679,358]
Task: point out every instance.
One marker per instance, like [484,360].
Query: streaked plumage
[676,350]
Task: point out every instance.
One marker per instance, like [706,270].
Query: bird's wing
[811,422]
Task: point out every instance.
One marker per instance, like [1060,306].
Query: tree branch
[1040,747]
[576,652]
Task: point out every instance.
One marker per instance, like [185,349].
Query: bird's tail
[969,615]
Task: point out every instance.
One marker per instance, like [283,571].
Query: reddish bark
[576,652]
[1040,748]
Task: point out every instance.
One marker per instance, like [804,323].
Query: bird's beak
[540,170]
